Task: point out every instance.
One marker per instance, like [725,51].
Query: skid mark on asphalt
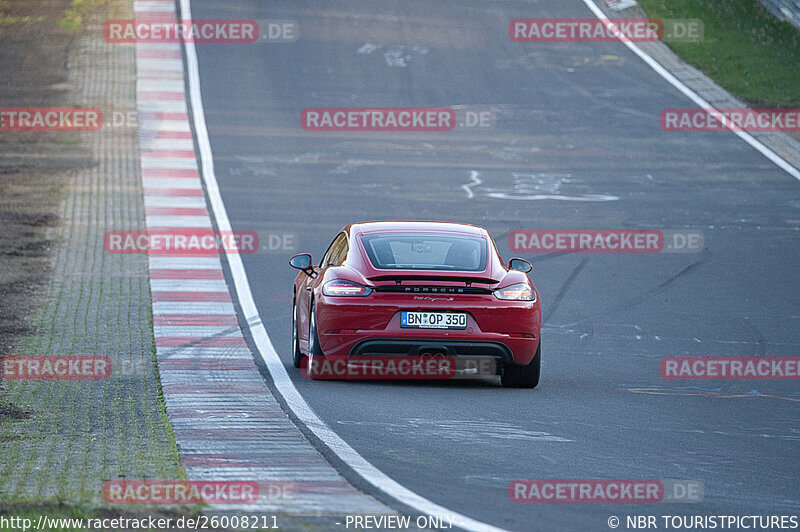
[660,288]
[471,430]
[761,342]
[642,298]
[672,427]
[716,393]
[564,288]
[620,332]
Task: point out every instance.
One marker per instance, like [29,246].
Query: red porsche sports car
[409,289]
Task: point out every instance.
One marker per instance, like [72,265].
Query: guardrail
[788,10]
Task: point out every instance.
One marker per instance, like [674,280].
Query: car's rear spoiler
[400,278]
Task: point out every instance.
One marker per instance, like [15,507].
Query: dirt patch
[9,411]
[35,166]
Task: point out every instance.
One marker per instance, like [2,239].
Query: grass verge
[744,49]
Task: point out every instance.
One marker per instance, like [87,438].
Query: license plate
[433,320]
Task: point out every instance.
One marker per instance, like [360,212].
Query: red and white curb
[227,424]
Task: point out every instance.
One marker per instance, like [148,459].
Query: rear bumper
[470,358]
[451,348]
[501,348]
[505,331]
[415,348]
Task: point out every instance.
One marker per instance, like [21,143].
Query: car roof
[411,226]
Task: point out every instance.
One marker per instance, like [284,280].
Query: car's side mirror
[302,262]
[520,265]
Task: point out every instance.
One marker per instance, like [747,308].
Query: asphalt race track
[575,144]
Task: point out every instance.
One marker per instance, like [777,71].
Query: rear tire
[523,376]
[315,356]
[297,356]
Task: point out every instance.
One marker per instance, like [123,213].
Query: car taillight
[516,292]
[342,287]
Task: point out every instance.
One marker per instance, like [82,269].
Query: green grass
[80,12]
[80,434]
[745,49]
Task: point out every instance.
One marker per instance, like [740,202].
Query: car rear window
[424,251]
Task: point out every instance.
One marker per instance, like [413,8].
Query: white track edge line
[692,95]
[280,377]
